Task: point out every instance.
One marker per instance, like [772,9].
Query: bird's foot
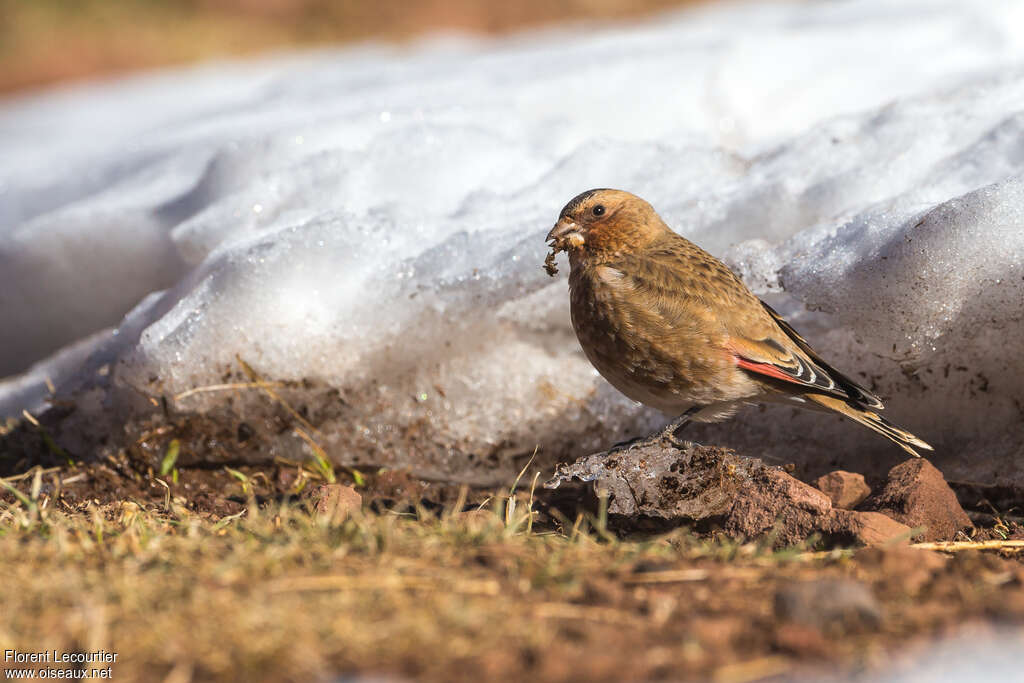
[626,446]
[667,435]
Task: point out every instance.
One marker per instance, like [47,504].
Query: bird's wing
[766,344]
[854,391]
[687,286]
[773,355]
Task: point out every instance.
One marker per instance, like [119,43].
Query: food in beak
[549,262]
[561,237]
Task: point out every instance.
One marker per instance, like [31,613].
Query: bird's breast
[665,364]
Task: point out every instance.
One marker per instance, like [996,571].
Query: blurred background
[43,42]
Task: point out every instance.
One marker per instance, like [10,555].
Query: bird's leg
[669,432]
[666,434]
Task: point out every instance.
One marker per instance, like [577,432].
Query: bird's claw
[666,436]
[627,446]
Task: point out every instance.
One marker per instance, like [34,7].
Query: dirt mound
[663,485]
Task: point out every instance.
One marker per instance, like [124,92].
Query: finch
[672,327]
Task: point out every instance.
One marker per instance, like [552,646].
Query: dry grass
[277,593]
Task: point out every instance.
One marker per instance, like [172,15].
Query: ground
[249,573]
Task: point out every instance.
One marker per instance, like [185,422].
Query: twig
[956,546]
[154,432]
[813,555]
[691,575]
[31,472]
[226,387]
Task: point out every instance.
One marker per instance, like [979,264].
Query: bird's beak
[565,234]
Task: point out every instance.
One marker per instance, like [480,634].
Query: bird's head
[597,224]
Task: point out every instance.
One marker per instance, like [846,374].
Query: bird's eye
[598,210]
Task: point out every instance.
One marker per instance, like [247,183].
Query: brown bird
[670,326]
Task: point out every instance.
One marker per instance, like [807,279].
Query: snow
[976,653]
[372,219]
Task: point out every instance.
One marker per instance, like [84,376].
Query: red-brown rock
[846,490]
[336,502]
[661,485]
[773,502]
[917,495]
[867,528]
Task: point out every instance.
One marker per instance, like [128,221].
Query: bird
[672,327]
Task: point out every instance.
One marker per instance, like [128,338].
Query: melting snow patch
[370,223]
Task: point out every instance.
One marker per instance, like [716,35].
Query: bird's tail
[871,420]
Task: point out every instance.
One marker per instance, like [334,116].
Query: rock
[771,501]
[336,502]
[846,490]
[833,606]
[917,495]
[664,485]
[848,527]
[661,485]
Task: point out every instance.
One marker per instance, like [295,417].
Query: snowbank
[371,221]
